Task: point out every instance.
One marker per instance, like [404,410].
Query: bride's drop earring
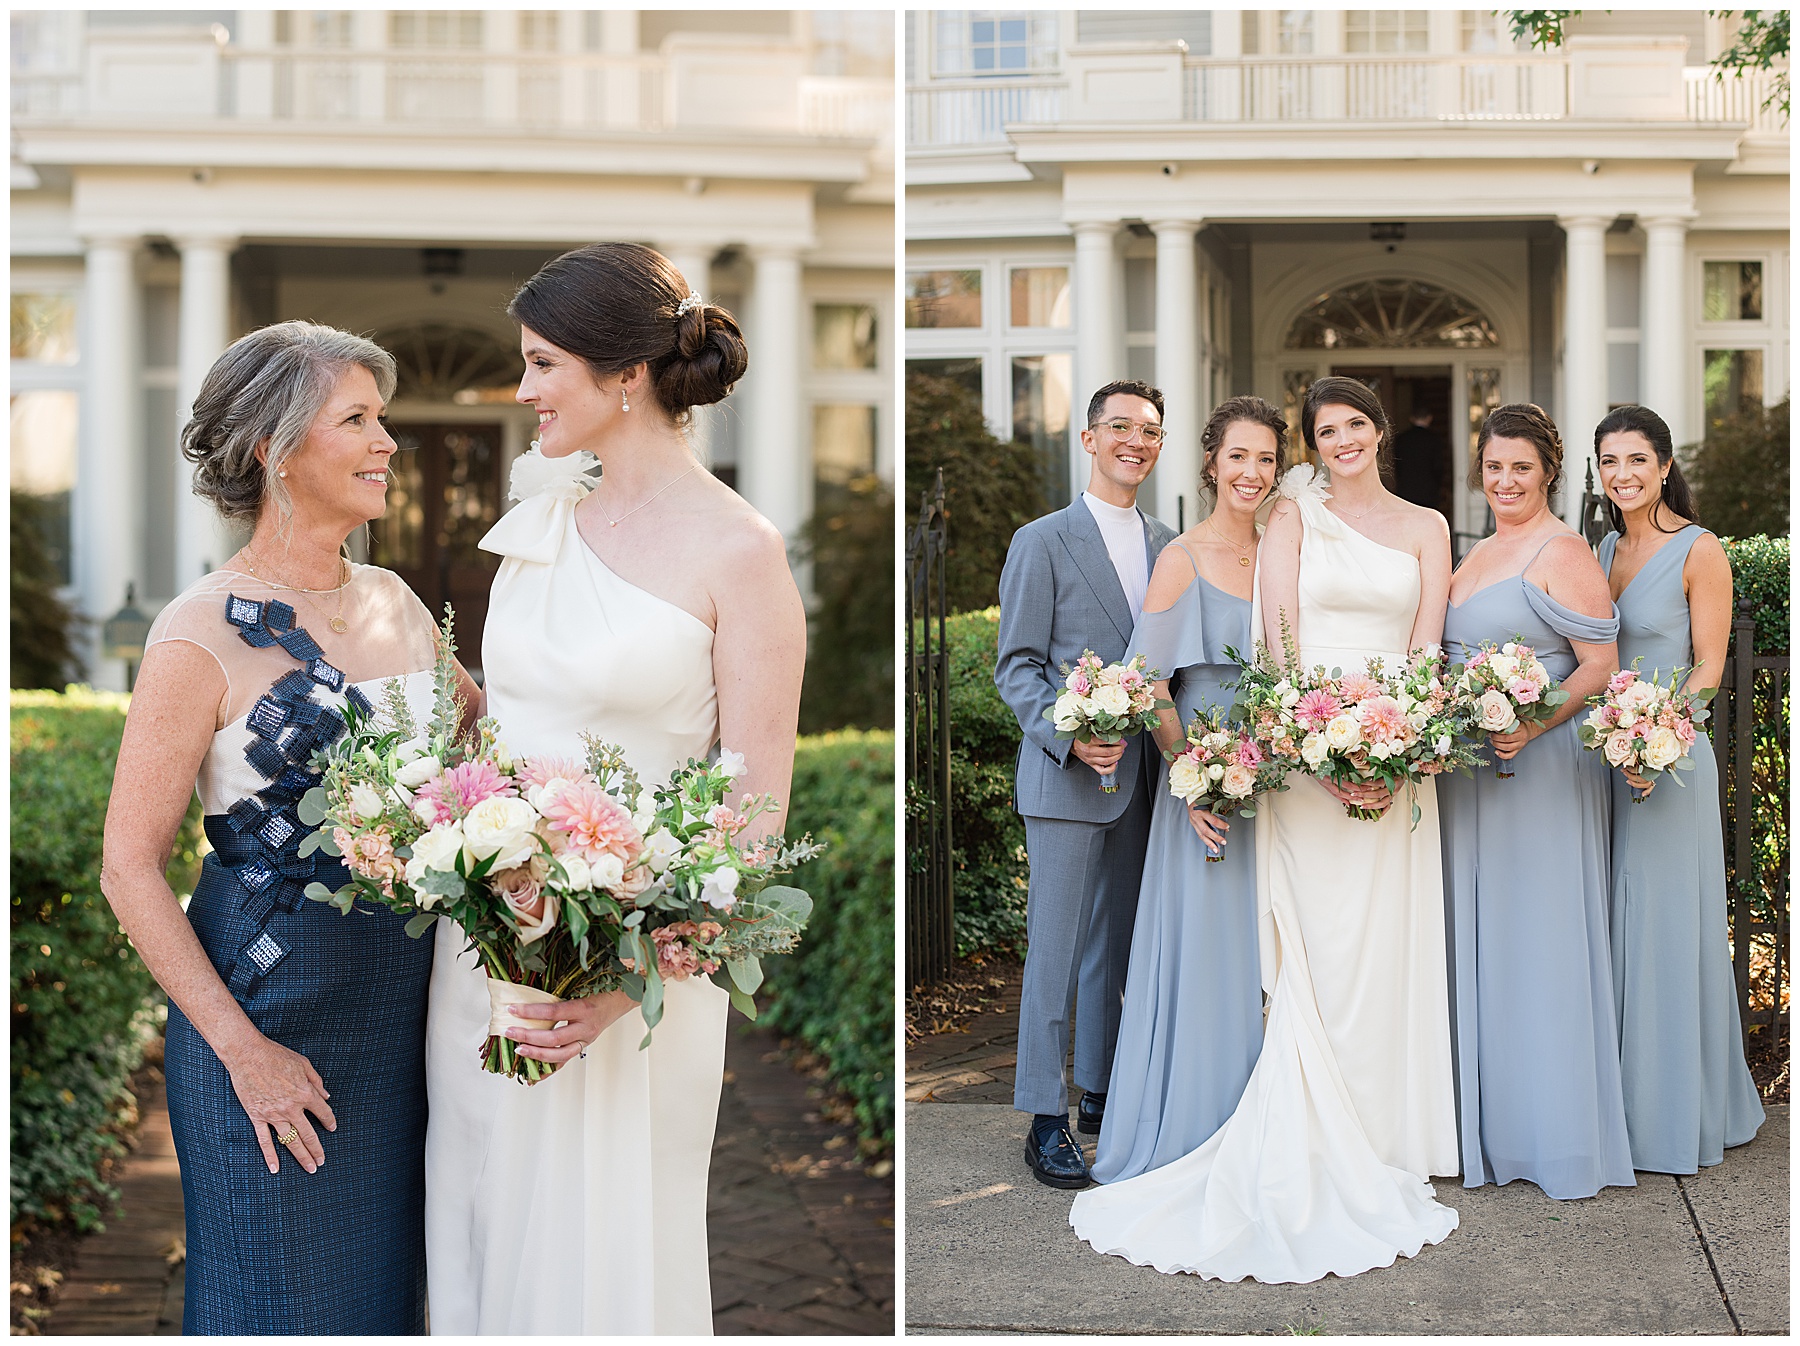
[624,398]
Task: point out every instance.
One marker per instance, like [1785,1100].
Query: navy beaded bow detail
[258,839]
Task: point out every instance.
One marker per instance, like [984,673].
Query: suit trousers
[1078,920]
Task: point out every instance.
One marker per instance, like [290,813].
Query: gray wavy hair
[268,387]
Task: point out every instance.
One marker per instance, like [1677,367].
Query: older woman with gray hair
[296,1034]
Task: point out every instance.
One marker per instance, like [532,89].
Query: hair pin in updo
[693,301]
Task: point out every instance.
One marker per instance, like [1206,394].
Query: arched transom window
[443,363]
[1389,315]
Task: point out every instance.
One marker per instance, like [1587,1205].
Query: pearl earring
[624,398]
[282,473]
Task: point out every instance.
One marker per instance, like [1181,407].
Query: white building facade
[182,177]
[1230,201]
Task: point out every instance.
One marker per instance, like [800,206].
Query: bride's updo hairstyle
[1335,390]
[1227,414]
[1676,494]
[267,388]
[1531,423]
[616,305]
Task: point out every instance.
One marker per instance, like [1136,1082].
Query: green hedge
[83,1004]
[1759,567]
[836,994]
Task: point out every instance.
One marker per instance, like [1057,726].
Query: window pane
[43,328]
[42,427]
[1294,36]
[843,443]
[397,538]
[1733,292]
[1621,373]
[471,492]
[844,336]
[965,370]
[943,298]
[1734,383]
[1040,296]
[1041,389]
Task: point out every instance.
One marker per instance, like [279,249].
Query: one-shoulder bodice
[1654,622]
[1358,599]
[571,647]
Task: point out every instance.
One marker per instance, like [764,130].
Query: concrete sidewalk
[1684,1256]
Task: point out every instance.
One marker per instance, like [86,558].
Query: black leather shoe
[1090,1113]
[1054,1156]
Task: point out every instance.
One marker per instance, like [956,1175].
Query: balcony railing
[1437,88]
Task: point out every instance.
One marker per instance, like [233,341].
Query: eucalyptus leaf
[652,1005]
[318,892]
[420,923]
[745,1005]
[746,973]
[313,806]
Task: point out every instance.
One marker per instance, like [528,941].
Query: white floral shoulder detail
[1304,481]
[566,477]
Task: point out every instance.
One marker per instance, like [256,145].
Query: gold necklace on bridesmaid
[1243,553]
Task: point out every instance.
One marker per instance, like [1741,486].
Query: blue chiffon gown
[1192,1022]
[1688,1094]
[1526,879]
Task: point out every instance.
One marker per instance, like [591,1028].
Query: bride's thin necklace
[1243,553]
[640,504]
[1342,509]
[336,622]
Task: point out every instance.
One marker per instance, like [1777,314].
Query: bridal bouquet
[1356,727]
[1222,769]
[1106,702]
[1643,726]
[568,876]
[1506,686]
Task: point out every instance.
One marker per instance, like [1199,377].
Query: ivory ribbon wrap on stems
[503,995]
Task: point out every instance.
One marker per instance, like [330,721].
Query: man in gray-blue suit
[1075,580]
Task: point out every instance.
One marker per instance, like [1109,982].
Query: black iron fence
[1750,721]
[930,901]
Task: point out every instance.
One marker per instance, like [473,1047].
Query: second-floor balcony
[1333,89]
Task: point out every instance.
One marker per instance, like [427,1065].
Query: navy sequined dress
[340,1250]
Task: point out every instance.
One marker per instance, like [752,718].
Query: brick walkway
[974,1063]
[802,1239]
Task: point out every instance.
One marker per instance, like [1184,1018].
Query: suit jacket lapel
[1088,550]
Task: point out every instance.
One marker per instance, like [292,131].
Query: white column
[201,542]
[1178,367]
[695,263]
[109,483]
[1099,332]
[772,458]
[1584,351]
[1664,351]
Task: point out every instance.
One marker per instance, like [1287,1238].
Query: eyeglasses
[1150,435]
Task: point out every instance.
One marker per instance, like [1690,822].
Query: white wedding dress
[1321,1168]
[576,1206]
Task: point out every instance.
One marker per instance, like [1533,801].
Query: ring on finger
[293,1134]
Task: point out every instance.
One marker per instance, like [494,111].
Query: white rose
[1383,750]
[1494,712]
[606,872]
[1114,699]
[719,891]
[1639,696]
[365,800]
[1215,772]
[419,770]
[1627,719]
[1314,750]
[436,849]
[1505,668]
[1184,778]
[1343,732]
[660,847]
[1289,697]
[1661,748]
[1068,715]
[731,763]
[1239,781]
[501,828]
[1618,747]
[578,879]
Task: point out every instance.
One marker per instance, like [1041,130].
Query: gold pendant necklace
[1243,556]
[336,622]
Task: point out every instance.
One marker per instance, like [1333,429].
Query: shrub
[991,488]
[987,835]
[836,993]
[1740,473]
[82,1000]
[43,627]
[850,637]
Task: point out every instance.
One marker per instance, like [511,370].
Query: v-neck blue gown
[1688,1094]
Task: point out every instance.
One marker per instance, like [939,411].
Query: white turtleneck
[1123,532]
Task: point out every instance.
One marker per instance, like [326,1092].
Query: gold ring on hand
[292,1135]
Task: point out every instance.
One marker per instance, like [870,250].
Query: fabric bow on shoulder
[547,489]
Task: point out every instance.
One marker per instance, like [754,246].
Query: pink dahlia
[1315,709]
[1383,720]
[1355,687]
[595,822]
[543,770]
[453,793]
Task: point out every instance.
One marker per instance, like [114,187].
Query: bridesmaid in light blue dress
[1192,1022]
[1688,1094]
[1526,858]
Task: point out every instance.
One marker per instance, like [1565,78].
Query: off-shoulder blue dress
[1526,879]
[340,1250]
[1688,1094]
[1192,1023]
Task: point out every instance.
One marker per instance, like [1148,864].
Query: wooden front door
[444,493]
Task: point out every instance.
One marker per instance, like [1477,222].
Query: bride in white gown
[1322,1167]
[656,609]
